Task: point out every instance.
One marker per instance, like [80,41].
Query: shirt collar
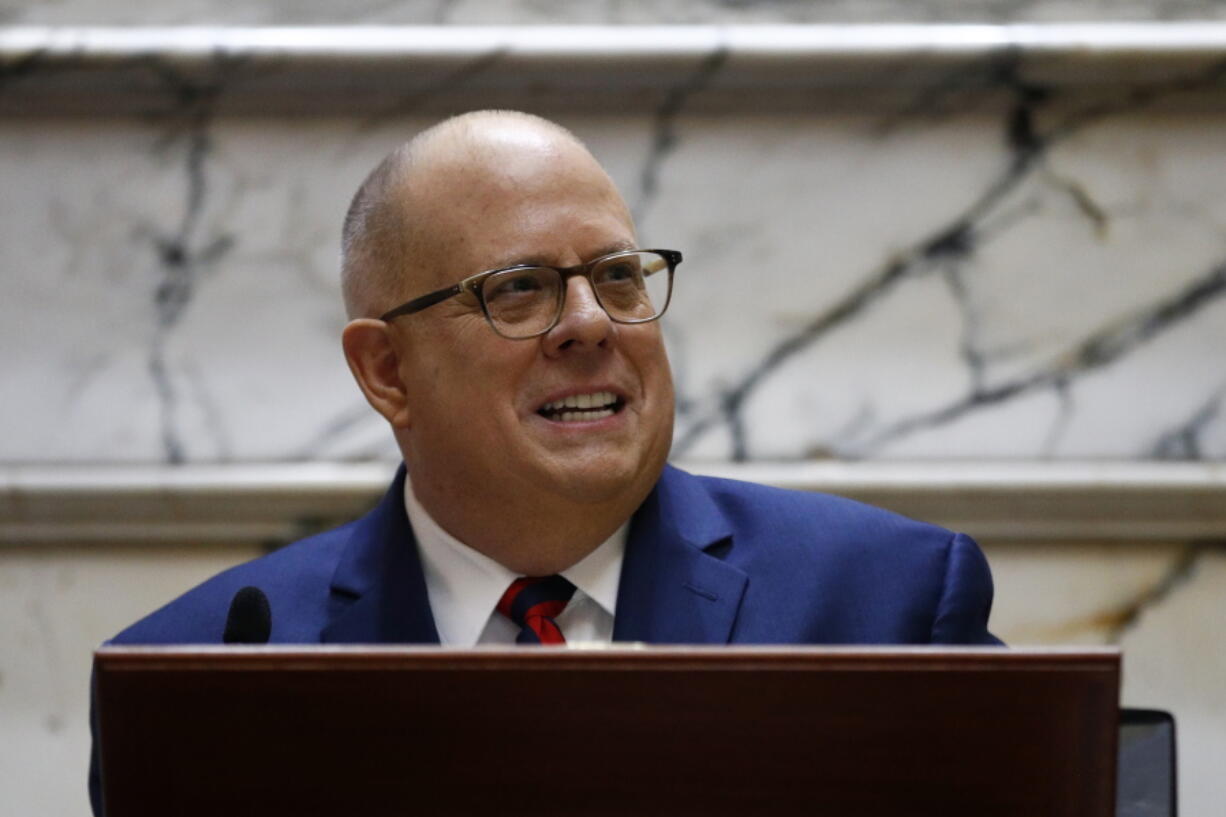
[464,585]
[598,574]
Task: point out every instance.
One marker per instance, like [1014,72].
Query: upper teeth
[598,399]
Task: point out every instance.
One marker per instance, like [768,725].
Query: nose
[583,323]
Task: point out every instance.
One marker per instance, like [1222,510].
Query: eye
[620,272]
[511,285]
[623,271]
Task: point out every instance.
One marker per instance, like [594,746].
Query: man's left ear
[375,363]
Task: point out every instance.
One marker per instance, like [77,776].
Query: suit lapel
[673,589]
[378,590]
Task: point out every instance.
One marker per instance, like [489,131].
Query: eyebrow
[540,261]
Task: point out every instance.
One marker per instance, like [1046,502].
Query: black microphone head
[250,618]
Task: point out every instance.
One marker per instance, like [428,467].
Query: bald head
[399,213]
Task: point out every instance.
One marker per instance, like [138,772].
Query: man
[503,323]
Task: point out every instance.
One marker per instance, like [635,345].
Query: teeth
[589,416]
[596,400]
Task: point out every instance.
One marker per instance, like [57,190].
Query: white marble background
[922,285]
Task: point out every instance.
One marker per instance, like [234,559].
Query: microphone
[250,618]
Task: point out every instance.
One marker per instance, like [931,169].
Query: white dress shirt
[464,587]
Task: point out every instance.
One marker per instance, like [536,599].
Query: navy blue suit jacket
[707,561]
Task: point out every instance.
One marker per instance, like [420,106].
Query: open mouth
[578,408]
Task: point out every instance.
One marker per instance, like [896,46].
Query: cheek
[652,363]
[421,379]
[483,391]
[463,372]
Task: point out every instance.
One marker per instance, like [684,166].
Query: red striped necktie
[533,602]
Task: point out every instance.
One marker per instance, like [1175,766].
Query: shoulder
[808,516]
[295,578]
[826,569]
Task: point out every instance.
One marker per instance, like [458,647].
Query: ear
[375,362]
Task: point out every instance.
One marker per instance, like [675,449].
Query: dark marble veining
[664,136]
[1184,441]
[1104,347]
[1029,134]
[1127,617]
[185,253]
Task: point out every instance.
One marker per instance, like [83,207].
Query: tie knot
[533,602]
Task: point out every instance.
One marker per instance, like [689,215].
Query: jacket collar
[675,588]
[378,589]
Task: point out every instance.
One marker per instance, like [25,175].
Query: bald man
[504,321]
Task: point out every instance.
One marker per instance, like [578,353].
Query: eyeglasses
[525,301]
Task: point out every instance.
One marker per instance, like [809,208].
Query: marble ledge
[273,503]
[347,68]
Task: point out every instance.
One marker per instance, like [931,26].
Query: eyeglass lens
[632,287]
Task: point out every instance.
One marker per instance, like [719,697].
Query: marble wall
[932,294]
[982,272]
[1005,253]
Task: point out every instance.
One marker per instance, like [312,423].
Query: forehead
[508,205]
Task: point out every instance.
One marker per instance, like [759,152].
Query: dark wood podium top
[625,730]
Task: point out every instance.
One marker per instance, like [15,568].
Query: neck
[532,536]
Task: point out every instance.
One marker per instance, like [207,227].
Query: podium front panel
[623,731]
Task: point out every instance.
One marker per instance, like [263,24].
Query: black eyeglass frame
[474,284]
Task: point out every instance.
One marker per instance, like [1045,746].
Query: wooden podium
[623,731]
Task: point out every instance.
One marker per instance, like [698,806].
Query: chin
[603,481]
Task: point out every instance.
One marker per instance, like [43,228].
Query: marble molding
[608,12]
[439,69]
[196,505]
